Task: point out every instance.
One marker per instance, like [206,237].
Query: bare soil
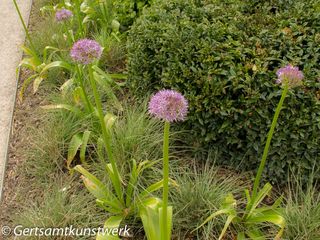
[24,114]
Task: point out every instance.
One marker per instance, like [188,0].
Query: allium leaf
[60,64]
[96,187]
[85,139]
[36,83]
[111,223]
[62,106]
[109,120]
[74,146]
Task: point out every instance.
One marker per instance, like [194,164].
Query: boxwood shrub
[128,10]
[223,55]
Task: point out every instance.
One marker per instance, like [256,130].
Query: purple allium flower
[291,75]
[85,51]
[168,105]
[63,15]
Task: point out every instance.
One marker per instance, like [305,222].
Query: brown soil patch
[24,114]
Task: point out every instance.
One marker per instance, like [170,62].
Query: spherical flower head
[63,15]
[85,51]
[290,75]
[169,106]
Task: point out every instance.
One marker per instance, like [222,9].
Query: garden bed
[89,150]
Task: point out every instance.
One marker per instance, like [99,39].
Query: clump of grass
[201,191]
[48,144]
[60,204]
[44,29]
[302,212]
[136,135]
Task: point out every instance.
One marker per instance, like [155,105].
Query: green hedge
[129,10]
[223,56]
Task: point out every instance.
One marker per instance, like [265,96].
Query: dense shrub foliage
[129,10]
[223,56]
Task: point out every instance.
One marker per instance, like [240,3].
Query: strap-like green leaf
[31,53]
[62,106]
[36,83]
[25,85]
[132,183]
[73,148]
[228,207]
[115,182]
[60,64]
[255,234]
[152,188]
[109,120]
[96,187]
[112,223]
[212,216]
[110,206]
[66,86]
[28,63]
[149,214]
[258,199]
[270,215]
[226,225]
[83,149]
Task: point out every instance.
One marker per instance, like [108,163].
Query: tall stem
[24,25]
[105,134]
[78,13]
[81,83]
[266,148]
[165,179]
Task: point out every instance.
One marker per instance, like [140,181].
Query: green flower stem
[165,179]
[266,148]
[66,27]
[81,83]
[105,134]
[24,25]
[78,13]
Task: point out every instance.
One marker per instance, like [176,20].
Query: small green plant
[120,201]
[248,221]
[39,66]
[101,15]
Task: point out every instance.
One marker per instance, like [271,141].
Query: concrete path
[11,38]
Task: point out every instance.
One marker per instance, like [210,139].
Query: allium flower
[168,105]
[85,51]
[291,75]
[63,15]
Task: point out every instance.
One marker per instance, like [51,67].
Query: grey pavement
[11,38]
